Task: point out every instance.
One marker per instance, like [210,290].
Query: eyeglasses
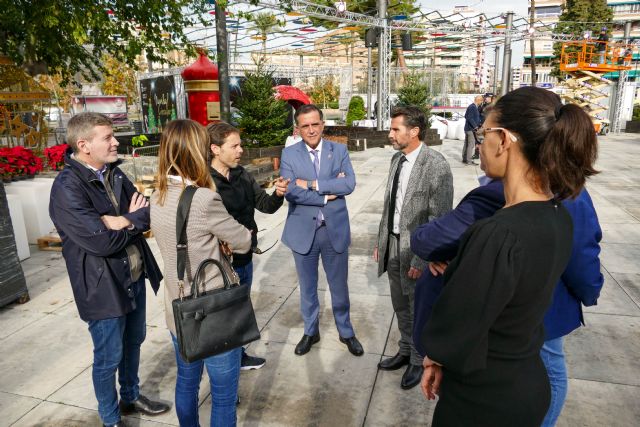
[259,251]
[482,131]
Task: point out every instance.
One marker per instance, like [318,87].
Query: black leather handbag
[215,321]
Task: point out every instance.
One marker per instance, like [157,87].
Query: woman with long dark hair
[485,332]
[183,160]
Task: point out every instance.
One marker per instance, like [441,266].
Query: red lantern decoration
[202,86]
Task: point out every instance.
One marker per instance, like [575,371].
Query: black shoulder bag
[213,322]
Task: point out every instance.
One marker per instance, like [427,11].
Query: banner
[158,99]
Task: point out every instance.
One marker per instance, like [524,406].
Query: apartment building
[548,12]
[458,53]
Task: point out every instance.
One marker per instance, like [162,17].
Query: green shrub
[356,110]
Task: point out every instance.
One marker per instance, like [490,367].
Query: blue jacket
[438,240]
[304,204]
[472,118]
[580,283]
[96,258]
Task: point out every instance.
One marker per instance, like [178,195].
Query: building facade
[548,12]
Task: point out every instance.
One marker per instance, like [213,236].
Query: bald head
[478,99]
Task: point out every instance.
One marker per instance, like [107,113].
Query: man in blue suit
[320,175]
[472,122]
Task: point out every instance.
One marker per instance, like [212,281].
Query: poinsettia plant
[17,161]
[55,156]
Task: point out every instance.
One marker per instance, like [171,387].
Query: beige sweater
[208,222]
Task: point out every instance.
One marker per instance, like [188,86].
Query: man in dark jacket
[241,195]
[472,122]
[100,218]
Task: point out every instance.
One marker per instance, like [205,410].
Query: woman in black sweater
[484,335]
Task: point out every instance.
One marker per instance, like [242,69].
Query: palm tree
[265,22]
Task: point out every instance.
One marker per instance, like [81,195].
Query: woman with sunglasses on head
[184,160]
[485,332]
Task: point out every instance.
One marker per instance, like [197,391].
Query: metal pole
[301,67]
[223,62]
[433,66]
[369,83]
[381,98]
[532,17]
[496,67]
[506,62]
[622,79]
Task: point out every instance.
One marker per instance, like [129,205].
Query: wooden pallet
[50,243]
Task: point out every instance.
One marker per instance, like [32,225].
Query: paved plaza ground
[46,351]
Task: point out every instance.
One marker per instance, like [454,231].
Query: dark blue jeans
[116,347]
[246,274]
[224,374]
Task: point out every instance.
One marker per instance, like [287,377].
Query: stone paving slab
[14,406]
[326,387]
[618,301]
[370,316]
[606,350]
[595,403]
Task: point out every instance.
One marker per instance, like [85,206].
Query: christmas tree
[415,92]
[173,113]
[262,117]
[152,126]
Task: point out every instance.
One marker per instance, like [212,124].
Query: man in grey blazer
[320,176]
[419,189]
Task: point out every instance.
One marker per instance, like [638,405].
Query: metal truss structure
[435,27]
[616,122]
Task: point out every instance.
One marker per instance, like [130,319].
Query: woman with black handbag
[183,162]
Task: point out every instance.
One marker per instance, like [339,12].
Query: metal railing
[145,162]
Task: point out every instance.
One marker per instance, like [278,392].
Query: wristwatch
[310,185]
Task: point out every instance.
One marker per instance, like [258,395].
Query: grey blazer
[429,195]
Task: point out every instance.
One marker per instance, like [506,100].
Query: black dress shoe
[305,343]
[353,345]
[118,424]
[411,377]
[394,362]
[144,406]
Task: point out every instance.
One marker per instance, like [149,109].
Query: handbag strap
[182,217]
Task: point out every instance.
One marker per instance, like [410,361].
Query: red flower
[55,155]
[18,161]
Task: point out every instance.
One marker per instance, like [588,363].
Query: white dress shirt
[403,182]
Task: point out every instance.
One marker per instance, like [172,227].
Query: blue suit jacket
[472,118]
[438,240]
[304,204]
[580,283]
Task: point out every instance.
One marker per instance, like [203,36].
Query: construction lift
[585,64]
